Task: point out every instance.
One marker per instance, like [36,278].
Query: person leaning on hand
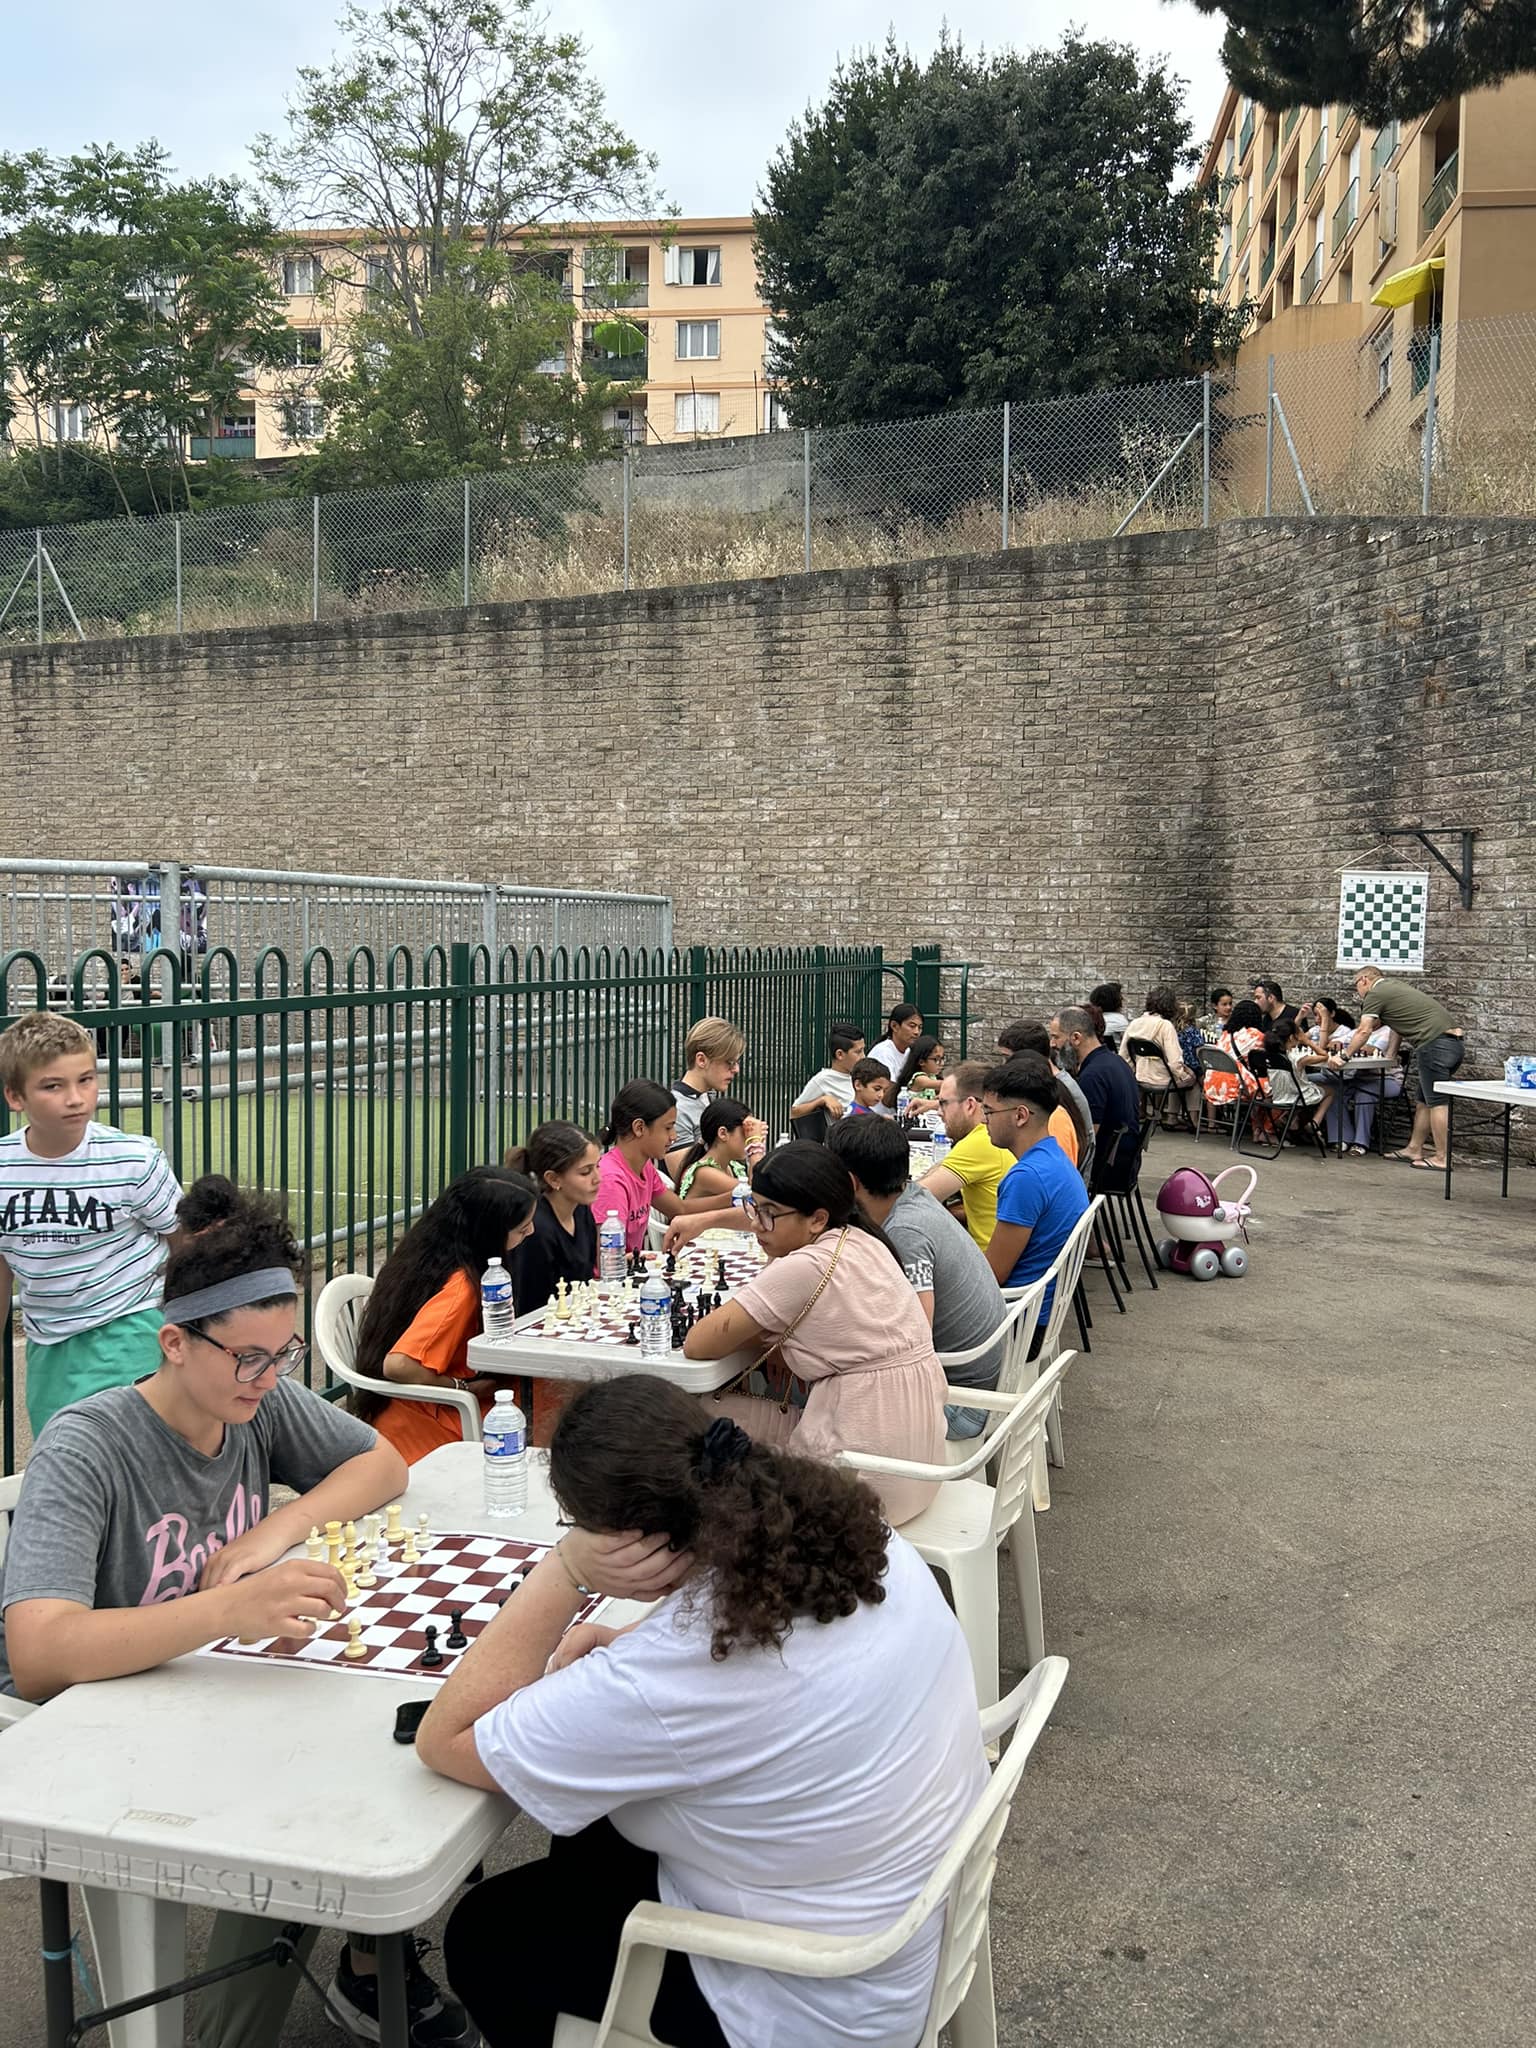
[1439,1049]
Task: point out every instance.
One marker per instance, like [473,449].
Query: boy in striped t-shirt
[84,1214]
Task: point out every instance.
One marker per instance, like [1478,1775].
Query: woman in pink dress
[834,1307]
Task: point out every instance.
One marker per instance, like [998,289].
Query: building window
[697,340]
[308,420]
[696,412]
[775,412]
[1381,347]
[378,278]
[307,345]
[299,276]
[692,266]
[71,422]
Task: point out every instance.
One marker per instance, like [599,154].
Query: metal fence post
[170,1034]
[461,1059]
[1007,465]
[1269,444]
[466,543]
[806,463]
[1431,411]
[178,573]
[698,983]
[1205,450]
[37,563]
[314,606]
[626,515]
[488,925]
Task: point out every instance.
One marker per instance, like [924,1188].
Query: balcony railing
[1345,214]
[1240,232]
[1245,135]
[1271,165]
[1382,151]
[1267,267]
[222,447]
[1288,129]
[1311,277]
[630,293]
[597,362]
[1420,343]
[1224,272]
[1287,225]
[1315,164]
[1442,192]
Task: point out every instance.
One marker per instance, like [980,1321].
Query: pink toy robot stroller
[1202,1228]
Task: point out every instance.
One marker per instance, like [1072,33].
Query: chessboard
[458,1574]
[700,1277]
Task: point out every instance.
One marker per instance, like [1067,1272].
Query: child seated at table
[829,1092]
[922,1070]
[873,1089]
[146,1530]
[562,1162]
[425,1306]
[638,1135]
[731,1143]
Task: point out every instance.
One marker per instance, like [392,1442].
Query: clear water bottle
[610,1250]
[741,1195]
[904,1104]
[655,1317]
[496,1314]
[506,1456]
[938,1145]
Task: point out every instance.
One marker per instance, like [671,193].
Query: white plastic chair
[1021,1313]
[961,1885]
[959,1532]
[1065,1273]
[125,1929]
[338,1315]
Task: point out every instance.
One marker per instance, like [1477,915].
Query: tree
[987,228]
[1385,58]
[140,305]
[447,143]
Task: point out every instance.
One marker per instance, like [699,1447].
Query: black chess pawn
[671,1267]
[456,1638]
[632,1333]
[431,1656]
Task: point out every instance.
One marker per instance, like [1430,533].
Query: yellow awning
[1404,286]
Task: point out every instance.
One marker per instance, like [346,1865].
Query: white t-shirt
[817,1788]
[890,1056]
[84,1234]
[830,1081]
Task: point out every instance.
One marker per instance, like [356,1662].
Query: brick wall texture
[1144,759]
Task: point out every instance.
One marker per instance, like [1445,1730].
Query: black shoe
[436,2022]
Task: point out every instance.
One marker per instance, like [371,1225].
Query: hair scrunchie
[725,1444]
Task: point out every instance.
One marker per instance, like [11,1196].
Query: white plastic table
[275,1791]
[571,1358]
[1499,1092]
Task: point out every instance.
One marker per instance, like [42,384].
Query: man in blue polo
[1114,1101]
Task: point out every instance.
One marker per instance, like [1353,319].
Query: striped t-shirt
[82,1234]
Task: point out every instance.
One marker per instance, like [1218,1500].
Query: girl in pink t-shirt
[629,1182]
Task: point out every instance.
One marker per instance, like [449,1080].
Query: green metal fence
[357,1087]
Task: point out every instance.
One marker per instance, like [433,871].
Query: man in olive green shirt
[1440,1048]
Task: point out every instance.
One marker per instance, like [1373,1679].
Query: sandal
[1406,1157]
[1427,1165]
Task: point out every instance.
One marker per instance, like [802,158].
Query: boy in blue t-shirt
[1041,1198]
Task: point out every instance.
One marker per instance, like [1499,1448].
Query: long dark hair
[637,1102]
[465,1228]
[808,1177]
[778,1538]
[1335,1011]
[1246,1016]
[921,1048]
[551,1148]
[725,1113]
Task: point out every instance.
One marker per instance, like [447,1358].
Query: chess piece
[365,1575]
[314,1546]
[423,1532]
[356,1647]
[349,1581]
[562,1302]
[410,1554]
[431,1656]
[350,1533]
[392,1525]
[381,1551]
[456,1638]
[371,1526]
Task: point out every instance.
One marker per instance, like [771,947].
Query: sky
[712,104]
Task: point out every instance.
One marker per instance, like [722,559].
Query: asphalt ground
[1289,1792]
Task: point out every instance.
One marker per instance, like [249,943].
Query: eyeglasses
[996,1109]
[764,1219]
[251,1365]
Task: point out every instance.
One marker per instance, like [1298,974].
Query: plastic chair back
[1015,1442]
[339,1317]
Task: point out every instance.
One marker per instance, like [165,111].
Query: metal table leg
[394,2015]
[1504,1183]
[1450,1140]
[58,1962]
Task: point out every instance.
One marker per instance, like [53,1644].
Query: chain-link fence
[1406,418]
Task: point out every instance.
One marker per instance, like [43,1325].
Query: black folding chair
[1154,1094]
[1120,1184]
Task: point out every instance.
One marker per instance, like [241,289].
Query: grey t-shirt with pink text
[117,1510]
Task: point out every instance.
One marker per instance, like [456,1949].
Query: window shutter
[671,268]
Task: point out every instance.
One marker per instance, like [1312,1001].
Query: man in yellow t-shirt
[974,1166]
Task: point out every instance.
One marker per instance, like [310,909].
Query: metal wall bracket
[1461,876]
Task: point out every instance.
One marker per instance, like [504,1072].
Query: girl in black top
[561,1161]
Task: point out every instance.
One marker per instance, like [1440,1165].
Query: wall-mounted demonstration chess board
[455,1575]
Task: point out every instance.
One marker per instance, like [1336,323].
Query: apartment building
[1341,234]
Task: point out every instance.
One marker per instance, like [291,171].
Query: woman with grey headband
[146,1530]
